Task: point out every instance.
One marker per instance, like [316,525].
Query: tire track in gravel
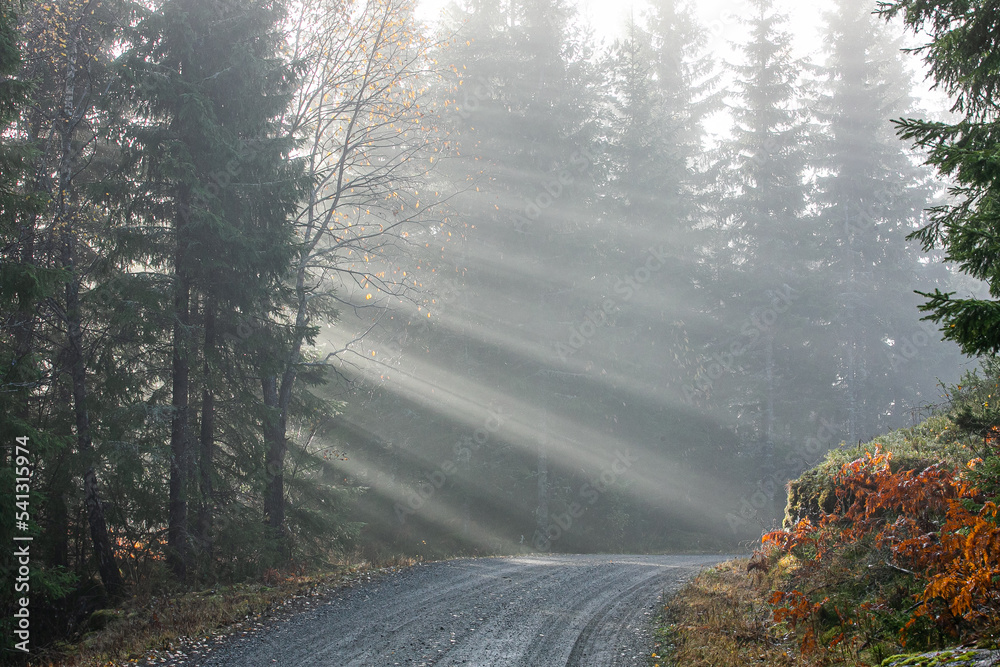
[573,610]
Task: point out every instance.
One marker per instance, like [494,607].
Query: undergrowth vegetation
[161,626]
[889,547]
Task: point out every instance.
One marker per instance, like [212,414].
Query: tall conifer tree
[870,196]
[764,238]
[962,56]
[208,90]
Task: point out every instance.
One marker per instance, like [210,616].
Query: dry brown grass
[159,624]
[722,619]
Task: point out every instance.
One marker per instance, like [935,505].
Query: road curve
[526,611]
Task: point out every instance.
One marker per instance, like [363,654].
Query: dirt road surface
[529,611]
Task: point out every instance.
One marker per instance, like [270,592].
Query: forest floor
[160,629]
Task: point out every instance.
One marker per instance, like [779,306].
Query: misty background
[665,269]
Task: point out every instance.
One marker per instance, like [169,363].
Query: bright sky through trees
[720,18]
[607,17]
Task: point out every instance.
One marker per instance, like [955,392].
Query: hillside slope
[890,551]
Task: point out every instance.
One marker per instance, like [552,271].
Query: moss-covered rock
[101,618]
[954,658]
[935,440]
[808,496]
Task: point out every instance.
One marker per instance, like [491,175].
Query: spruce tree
[764,241]
[685,84]
[870,196]
[659,90]
[526,108]
[70,56]
[962,56]
[207,88]
[22,282]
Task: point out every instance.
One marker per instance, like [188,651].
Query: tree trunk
[77,367]
[76,363]
[542,511]
[207,439]
[274,433]
[56,529]
[769,425]
[24,330]
[852,361]
[277,398]
[107,567]
[178,553]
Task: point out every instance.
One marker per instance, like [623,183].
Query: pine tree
[22,282]
[659,91]
[685,84]
[69,63]
[767,155]
[764,239]
[962,57]
[641,167]
[525,130]
[208,90]
[870,194]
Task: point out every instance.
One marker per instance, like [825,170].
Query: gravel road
[529,611]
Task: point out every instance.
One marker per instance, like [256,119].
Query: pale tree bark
[361,114]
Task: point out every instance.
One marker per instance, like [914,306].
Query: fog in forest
[316,283]
[666,269]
